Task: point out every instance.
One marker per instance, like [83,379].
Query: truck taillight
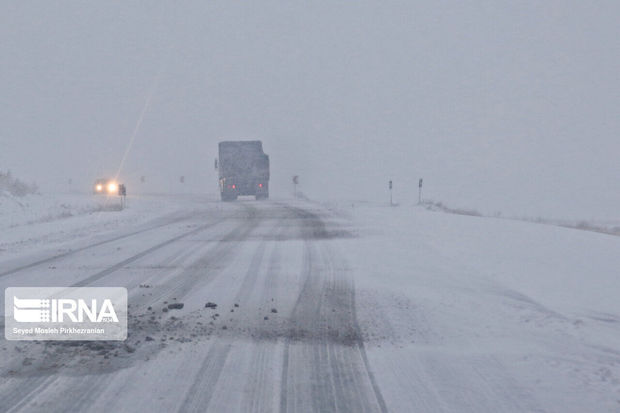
[260,185]
[234,186]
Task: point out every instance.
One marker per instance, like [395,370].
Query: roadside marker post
[420,191]
[122,192]
[390,186]
[295,182]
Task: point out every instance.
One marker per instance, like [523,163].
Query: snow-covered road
[323,308]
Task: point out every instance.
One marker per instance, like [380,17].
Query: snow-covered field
[324,307]
[41,208]
[484,314]
[50,219]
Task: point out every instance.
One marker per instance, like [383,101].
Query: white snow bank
[48,220]
[485,314]
[36,208]
[605,226]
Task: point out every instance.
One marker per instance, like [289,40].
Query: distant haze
[500,106]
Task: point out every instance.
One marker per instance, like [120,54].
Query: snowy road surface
[322,308]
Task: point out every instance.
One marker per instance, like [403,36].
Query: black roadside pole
[122,192]
[420,191]
[295,182]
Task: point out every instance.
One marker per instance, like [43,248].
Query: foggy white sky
[509,106]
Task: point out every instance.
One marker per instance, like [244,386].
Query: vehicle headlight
[99,187]
[112,188]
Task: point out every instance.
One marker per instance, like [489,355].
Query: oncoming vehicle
[105,187]
[243,170]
